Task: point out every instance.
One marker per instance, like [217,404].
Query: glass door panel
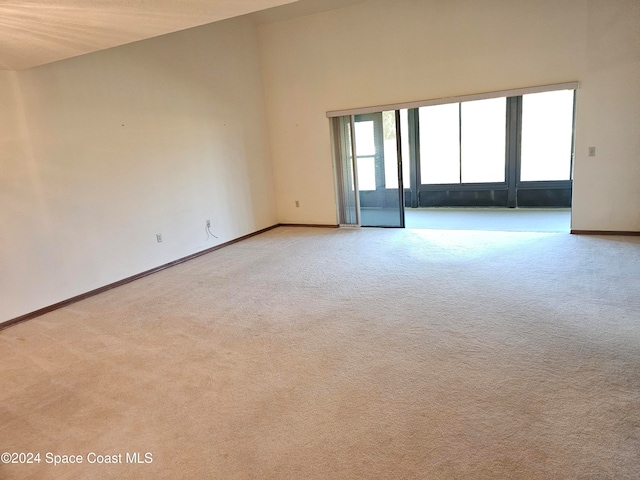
[377,167]
[390,149]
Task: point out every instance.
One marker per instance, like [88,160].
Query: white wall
[388,51]
[101,152]
[607,186]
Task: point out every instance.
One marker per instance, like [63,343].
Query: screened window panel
[439,144]
[365,154]
[483,140]
[365,139]
[547,130]
[366,173]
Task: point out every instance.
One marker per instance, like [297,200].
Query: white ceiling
[35,32]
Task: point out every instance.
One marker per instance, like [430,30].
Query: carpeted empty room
[306,353]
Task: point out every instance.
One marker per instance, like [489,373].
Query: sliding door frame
[401,205]
[512,184]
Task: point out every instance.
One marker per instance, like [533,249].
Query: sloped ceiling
[36,32]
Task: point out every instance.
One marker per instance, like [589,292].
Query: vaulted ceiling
[36,32]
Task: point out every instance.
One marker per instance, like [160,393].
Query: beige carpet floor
[343,354]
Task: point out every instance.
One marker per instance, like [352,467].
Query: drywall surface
[100,153]
[607,187]
[389,51]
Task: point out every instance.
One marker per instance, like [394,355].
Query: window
[483,140]
[440,144]
[463,142]
[366,155]
[547,132]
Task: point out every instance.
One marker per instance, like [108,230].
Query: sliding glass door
[512,151]
[368,161]
[378,169]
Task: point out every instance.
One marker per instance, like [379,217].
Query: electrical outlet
[208,223]
[592,151]
[159,237]
[297,204]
